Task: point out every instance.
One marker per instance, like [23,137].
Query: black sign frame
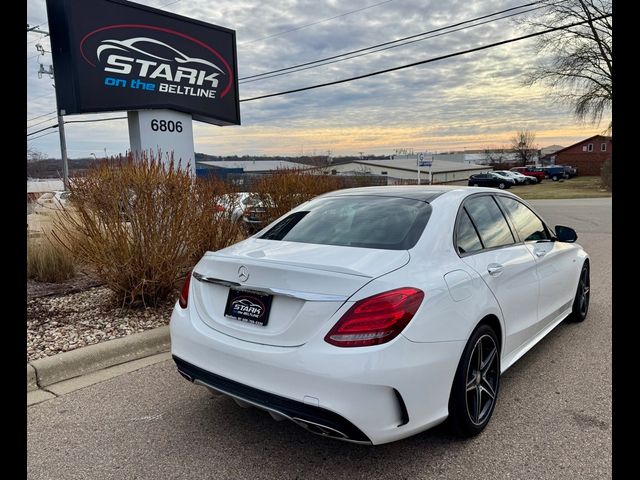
[71,22]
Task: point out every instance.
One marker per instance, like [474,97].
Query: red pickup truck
[531,172]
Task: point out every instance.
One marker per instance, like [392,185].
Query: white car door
[486,243]
[556,262]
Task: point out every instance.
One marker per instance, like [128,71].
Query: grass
[578,187]
[48,262]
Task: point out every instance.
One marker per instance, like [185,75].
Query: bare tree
[523,142]
[580,62]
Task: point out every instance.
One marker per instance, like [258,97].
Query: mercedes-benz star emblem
[243,273]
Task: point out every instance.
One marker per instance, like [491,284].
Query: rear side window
[356,221]
[467,239]
[526,223]
[490,222]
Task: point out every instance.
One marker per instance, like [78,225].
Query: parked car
[246,207]
[530,171]
[372,314]
[570,171]
[49,201]
[555,172]
[491,179]
[519,178]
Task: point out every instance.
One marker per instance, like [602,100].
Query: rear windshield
[355,221]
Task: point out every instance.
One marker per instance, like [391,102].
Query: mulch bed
[65,316]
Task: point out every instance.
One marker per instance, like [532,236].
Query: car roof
[424,193]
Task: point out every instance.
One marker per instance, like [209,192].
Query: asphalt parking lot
[552,420]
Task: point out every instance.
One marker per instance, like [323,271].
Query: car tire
[501,186]
[580,307]
[475,184]
[476,384]
[527,182]
[554,178]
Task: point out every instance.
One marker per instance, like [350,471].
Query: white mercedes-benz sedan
[372,314]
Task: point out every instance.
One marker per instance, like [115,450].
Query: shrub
[606,175]
[142,225]
[47,261]
[288,188]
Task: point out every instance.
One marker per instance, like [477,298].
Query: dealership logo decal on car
[146,58]
[248,307]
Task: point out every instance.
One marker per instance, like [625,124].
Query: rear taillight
[184,294]
[376,319]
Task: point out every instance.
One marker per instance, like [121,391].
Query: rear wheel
[554,178]
[476,384]
[581,300]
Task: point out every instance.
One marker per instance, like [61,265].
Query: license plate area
[248,307]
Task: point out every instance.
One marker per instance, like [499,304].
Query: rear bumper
[315,419]
[371,395]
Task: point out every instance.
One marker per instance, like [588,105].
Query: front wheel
[476,383]
[527,182]
[581,300]
[501,186]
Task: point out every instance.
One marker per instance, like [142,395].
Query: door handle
[495,269]
[540,253]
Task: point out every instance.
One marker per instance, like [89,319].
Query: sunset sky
[471,101]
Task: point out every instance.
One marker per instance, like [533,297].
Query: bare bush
[286,189]
[606,175]
[141,225]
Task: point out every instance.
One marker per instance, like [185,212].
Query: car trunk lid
[307,284]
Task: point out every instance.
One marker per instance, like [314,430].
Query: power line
[95,120]
[167,4]
[43,115]
[41,121]
[39,136]
[42,130]
[392,41]
[76,121]
[429,60]
[390,46]
[314,23]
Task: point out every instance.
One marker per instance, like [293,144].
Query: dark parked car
[490,180]
[570,171]
[555,172]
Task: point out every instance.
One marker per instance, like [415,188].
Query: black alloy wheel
[476,384]
[581,301]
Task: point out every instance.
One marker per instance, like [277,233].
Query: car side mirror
[566,234]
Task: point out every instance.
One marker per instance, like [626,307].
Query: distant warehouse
[227,169]
[406,169]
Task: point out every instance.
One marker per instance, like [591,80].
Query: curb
[64,366]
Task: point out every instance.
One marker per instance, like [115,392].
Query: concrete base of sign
[165,131]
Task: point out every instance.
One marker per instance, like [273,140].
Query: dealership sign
[111,55]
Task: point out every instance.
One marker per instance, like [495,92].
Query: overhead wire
[313,23]
[429,60]
[464,22]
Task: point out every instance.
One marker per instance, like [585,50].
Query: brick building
[587,155]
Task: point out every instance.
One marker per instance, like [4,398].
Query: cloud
[471,100]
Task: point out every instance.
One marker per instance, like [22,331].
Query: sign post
[425,160]
[162,131]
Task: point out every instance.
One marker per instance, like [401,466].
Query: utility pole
[63,141]
[63,151]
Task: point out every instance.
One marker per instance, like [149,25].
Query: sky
[468,102]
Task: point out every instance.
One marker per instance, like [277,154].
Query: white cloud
[472,100]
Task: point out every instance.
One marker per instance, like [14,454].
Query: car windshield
[388,223]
